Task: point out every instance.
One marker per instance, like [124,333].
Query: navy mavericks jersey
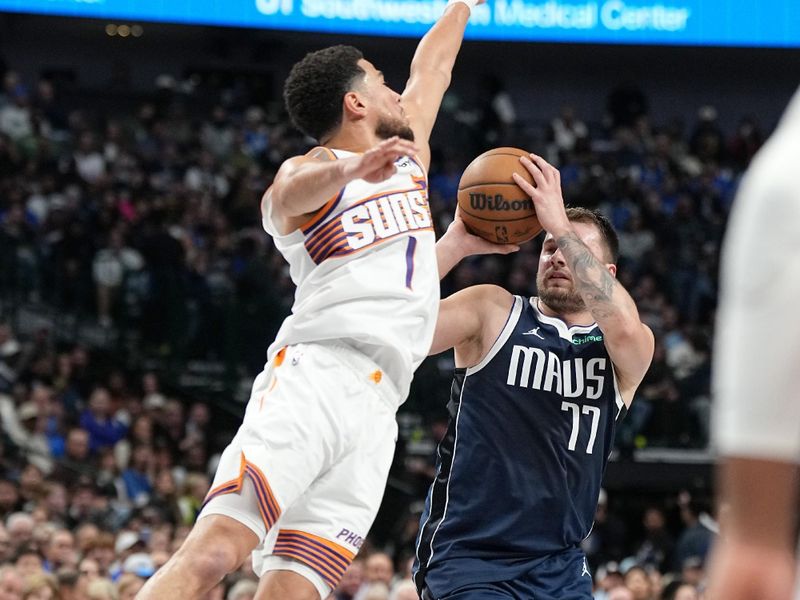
[519,471]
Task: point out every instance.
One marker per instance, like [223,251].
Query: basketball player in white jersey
[300,484]
[756,425]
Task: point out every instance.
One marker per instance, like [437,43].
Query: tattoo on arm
[593,281]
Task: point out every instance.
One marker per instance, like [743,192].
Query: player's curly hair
[578,214]
[316,85]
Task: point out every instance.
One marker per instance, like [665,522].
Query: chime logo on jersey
[540,370]
[385,217]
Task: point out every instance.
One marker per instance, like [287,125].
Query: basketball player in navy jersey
[539,385]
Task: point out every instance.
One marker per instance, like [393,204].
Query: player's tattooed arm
[629,342]
[592,279]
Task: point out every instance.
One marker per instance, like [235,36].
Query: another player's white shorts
[315,449]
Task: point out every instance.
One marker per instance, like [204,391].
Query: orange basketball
[492,205]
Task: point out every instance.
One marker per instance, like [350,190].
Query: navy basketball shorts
[562,576]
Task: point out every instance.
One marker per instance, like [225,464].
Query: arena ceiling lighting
[772,23]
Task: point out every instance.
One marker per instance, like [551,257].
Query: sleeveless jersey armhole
[502,338]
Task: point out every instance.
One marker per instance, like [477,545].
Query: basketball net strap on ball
[470,3]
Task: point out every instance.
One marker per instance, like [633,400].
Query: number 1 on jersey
[576,423]
[410,249]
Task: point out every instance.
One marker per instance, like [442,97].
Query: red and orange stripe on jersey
[365,270]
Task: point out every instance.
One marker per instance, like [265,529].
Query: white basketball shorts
[316,444]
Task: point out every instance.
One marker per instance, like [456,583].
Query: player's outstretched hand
[470,244]
[377,163]
[546,195]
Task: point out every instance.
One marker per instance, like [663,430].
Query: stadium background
[138,292]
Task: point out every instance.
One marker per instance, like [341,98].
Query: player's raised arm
[629,342]
[431,68]
[306,183]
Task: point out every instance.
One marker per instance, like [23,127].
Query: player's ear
[353,105]
[612,268]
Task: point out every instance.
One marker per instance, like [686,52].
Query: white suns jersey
[366,273]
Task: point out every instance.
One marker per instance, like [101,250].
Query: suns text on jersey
[571,378]
[381,218]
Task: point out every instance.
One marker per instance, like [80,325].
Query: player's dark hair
[316,85]
[578,214]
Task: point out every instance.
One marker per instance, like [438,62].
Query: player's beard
[563,301]
[387,128]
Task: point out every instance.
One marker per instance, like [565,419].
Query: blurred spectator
[60,551]
[351,581]
[6,549]
[606,578]
[497,115]
[707,142]
[698,535]
[103,427]
[102,550]
[139,564]
[657,548]
[68,584]
[101,589]
[11,584]
[379,567]
[15,116]
[137,478]
[378,574]
[109,269]
[25,426]
[621,593]
[88,571]
[19,526]
[76,460]
[376,590]
[42,586]
[404,590]
[566,130]
[9,497]
[745,142]
[678,590]
[190,502]
[638,582]
[693,571]
[28,561]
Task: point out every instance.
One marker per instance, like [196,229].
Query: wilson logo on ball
[492,205]
[479,201]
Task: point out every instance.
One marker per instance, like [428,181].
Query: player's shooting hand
[470,244]
[377,163]
[547,197]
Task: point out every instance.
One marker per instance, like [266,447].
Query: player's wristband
[470,3]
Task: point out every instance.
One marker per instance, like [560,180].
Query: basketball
[492,205]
